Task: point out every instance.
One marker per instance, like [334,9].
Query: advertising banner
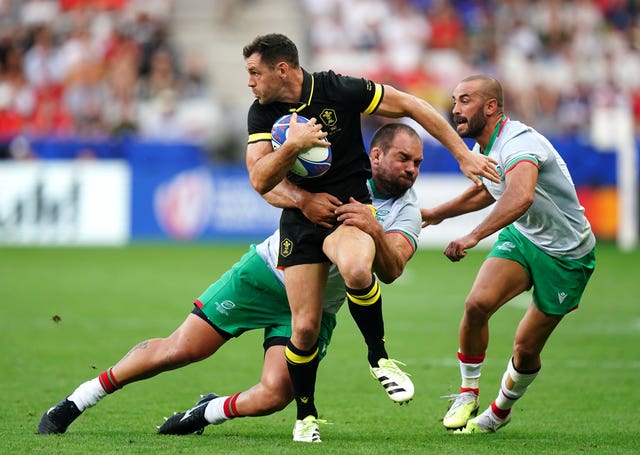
[199,203]
[64,202]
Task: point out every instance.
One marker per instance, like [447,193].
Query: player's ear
[282,68]
[490,106]
[375,154]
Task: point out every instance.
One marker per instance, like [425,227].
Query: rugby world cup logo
[182,205]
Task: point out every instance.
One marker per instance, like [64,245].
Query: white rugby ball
[312,162]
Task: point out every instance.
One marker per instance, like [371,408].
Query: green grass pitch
[68,313]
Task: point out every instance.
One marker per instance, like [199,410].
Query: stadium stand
[173,69]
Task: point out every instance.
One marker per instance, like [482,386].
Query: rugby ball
[312,162]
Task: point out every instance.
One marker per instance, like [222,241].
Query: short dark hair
[384,135]
[491,87]
[273,48]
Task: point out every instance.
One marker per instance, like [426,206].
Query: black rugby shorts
[300,240]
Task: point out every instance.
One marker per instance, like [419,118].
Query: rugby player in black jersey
[333,103]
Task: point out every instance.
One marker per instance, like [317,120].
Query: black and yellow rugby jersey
[336,101]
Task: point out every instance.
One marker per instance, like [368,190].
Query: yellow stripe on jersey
[292,357]
[368,299]
[377,96]
[313,86]
[256,137]
[303,105]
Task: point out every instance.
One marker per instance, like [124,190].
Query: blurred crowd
[558,60]
[106,68]
[98,69]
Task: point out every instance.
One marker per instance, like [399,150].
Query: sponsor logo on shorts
[286,247]
[561,297]
[225,306]
[506,246]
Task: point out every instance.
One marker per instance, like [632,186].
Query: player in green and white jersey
[251,295]
[545,243]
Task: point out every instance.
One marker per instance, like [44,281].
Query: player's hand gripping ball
[311,162]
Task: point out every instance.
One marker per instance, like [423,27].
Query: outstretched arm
[515,201]
[472,199]
[396,104]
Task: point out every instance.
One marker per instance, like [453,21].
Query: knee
[476,310]
[304,335]
[305,329]
[356,274]
[524,355]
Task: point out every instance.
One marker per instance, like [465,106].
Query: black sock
[365,306]
[303,369]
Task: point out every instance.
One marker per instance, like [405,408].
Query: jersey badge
[328,117]
[286,247]
[382,214]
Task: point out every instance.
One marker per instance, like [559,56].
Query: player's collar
[374,191]
[308,85]
[496,132]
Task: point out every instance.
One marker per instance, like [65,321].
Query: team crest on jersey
[500,170]
[382,214]
[328,117]
[286,247]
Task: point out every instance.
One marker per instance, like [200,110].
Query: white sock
[521,381]
[87,394]
[470,370]
[470,383]
[214,412]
